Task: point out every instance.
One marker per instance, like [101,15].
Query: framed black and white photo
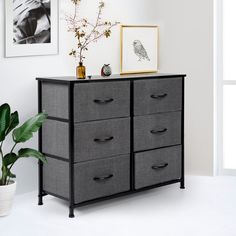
[31,27]
[139,49]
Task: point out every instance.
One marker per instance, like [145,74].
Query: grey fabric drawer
[153,131]
[99,139]
[55,138]
[157,166]
[56,177]
[98,101]
[154,96]
[116,170]
[55,100]
[93,179]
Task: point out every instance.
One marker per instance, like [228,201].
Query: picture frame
[31,28]
[139,46]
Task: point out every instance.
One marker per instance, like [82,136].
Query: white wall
[17,81]
[186,36]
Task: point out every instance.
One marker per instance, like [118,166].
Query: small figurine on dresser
[106,70]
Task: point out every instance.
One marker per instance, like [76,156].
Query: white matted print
[31,27]
[139,49]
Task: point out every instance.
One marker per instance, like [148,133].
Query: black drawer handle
[102,178]
[162,166]
[160,96]
[159,131]
[103,140]
[105,101]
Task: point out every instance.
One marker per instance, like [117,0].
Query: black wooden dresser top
[115,77]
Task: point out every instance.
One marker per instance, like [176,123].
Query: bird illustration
[140,51]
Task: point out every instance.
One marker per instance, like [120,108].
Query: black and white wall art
[139,49]
[31,27]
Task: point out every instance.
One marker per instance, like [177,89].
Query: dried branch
[85,31]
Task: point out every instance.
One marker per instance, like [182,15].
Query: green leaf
[28,152]
[6,173]
[25,132]
[14,121]
[9,159]
[5,113]
[9,174]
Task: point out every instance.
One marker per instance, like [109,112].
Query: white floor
[207,207]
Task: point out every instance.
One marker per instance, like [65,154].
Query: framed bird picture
[139,49]
[31,27]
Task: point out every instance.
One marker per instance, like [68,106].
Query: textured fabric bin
[158,130]
[156,96]
[93,179]
[55,100]
[55,139]
[157,166]
[101,101]
[99,139]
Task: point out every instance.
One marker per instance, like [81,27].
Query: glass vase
[81,71]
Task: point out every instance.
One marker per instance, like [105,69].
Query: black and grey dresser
[107,137]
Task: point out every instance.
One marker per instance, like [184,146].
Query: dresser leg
[182,185]
[40,200]
[71,215]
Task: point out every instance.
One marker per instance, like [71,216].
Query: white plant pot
[7,193]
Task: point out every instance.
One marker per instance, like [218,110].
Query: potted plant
[8,124]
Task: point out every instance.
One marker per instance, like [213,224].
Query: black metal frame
[40,164]
[70,121]
[71,149]
[132,163]
[182,183]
